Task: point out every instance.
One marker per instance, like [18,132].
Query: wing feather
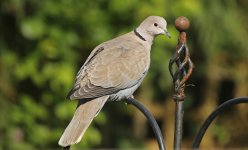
[111,67]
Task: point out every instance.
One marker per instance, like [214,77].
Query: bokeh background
[43,44]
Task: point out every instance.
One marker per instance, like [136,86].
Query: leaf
[33,28]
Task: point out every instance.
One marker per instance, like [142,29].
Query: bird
[113,71]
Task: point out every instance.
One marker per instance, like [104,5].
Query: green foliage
[44,43]
[221,134]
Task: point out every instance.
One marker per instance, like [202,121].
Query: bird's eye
[155,24]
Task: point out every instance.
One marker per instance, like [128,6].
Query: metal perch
[213,115]
[151,120]
[181,58]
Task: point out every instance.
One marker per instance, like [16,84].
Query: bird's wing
[110,68]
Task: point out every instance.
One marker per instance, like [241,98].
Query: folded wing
[111,68]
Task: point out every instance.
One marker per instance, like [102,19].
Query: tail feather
[81,120]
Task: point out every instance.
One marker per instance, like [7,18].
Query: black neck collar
[140,36]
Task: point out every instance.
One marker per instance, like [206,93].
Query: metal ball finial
[182,23]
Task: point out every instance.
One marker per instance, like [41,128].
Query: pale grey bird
[113,71]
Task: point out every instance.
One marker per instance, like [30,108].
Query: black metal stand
[181,58]
[178,131]
[213,115]
[151,120]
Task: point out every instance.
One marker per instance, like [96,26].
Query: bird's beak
[167,33]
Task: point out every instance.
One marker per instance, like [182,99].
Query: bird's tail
[81,120]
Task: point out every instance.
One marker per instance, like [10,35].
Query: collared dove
[113,71]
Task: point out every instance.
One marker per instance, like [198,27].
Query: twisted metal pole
[150,119]
[181,58]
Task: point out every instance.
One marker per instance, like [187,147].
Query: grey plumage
[114,70]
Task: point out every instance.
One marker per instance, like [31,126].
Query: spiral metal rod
[180,59]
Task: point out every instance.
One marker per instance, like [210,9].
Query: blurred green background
[43,44]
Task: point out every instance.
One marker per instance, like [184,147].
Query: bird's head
[154,25]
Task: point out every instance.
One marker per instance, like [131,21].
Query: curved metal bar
[180,71]
[213,115]
[174,57]
[181,47]
[151,120]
